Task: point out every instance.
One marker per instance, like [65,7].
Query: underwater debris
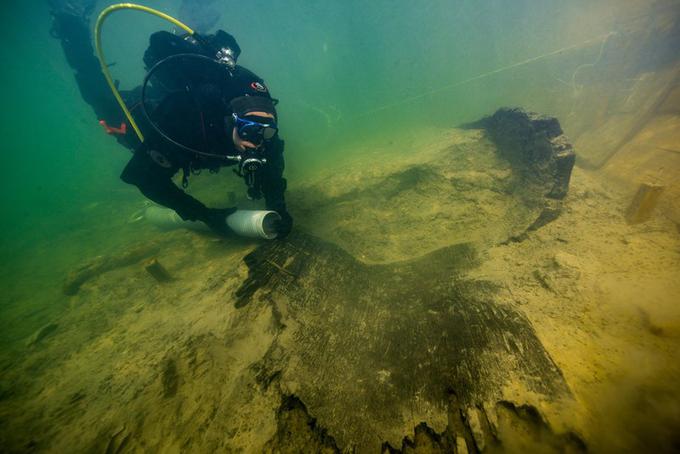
[41,334]
[500,427]
[642,205]
[297,431]
[648,324]
[474,422]
[426,439]
[118,441]
[102,264]
[533,144]
[461,446]
[550,212]
[522,428]
[537,149]
[157,271]
[169,378]
[460,188]
[429,329]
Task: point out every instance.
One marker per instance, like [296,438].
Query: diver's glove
[216,219]
[284,225]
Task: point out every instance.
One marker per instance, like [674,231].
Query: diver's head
[254,121]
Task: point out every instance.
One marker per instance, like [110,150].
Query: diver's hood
[246,104]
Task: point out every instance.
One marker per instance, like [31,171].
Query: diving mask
[255,129]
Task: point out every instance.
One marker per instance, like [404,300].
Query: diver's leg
[80,8]
[71,25]
[201,15]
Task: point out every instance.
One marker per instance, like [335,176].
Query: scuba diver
[197,109]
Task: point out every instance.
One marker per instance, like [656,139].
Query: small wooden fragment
[158,271]
[103,264]
[461,446]
[41,334]
[643,203]
[475,425]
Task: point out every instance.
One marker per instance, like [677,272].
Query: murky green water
[348,74]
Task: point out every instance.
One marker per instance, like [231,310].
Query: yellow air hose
[100,54]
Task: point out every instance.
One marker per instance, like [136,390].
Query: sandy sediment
[418,304]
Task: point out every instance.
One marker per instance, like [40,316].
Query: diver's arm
[155,182]
[274,186]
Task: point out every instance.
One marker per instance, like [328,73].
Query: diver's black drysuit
[204,125]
